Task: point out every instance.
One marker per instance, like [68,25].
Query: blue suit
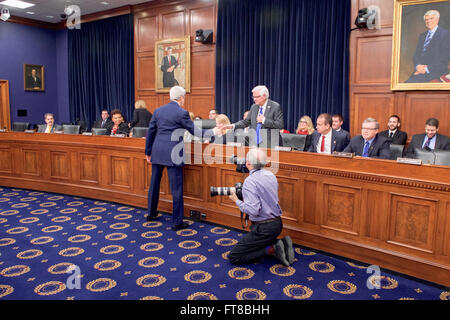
[160,145]
[436,56]
[339,141]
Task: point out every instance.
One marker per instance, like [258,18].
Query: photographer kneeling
[260,194]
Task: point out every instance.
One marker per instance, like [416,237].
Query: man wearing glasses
[265,118]
[370,144]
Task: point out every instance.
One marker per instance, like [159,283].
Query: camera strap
[244,220]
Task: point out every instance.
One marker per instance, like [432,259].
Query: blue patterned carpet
[67,248]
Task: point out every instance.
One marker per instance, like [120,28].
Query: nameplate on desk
[343,154]
[409,161]
[29,131]
[3,130]
[234,144]
[280,148]
[58,132]
[87,133]
[119,135]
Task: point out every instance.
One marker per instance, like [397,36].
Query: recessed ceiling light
[17,4]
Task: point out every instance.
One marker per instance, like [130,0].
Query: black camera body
[240,164]
[226,191]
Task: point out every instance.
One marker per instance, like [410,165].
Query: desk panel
[376,211]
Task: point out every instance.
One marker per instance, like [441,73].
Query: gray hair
[176,93]
[49,114]
[262,90]
[257,158]
[432,13]
[372,120]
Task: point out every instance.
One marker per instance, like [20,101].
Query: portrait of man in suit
[172,64]
[34,77]
[432,53]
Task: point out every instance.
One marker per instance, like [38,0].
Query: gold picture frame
[413,53]
[33,77]
[175,70]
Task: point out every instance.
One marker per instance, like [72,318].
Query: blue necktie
[427,143]
[258,128]
[427,41]
[366,149]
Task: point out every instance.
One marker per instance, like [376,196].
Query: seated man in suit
[265,118]
[104,122]
[393,133]
[430,140]
[325,139]
[117,126]
[50,126]
[338,120]
[370,143]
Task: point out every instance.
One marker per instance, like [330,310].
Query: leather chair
[20,126]
[139,132]
[295,141]
[98,131]
[70,129]
[397,151]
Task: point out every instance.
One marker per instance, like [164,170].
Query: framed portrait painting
[33,77]
[172,64]
[421,45]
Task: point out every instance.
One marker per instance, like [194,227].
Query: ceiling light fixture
[17,4]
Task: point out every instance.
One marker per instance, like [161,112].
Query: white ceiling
[45,8]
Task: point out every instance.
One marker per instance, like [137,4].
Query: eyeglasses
[256,97]
[368,128]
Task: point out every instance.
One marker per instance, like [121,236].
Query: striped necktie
[427,41]
[366,149]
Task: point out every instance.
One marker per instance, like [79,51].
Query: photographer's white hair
[176,93]
[432,13]
[257,158]
[262,90]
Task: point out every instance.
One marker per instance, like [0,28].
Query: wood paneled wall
[370,74]
[5,121]
[161,20]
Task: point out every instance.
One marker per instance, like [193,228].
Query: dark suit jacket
[399,137]
[169,77]
[436,56]
[378,149]
[122,129]
[442,143]
[33,82]
[274,120]
[159,145]
[339,141]
[98,123]
[56,127]
[141,118]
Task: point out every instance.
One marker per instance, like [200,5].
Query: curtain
[297,48]
[101,68]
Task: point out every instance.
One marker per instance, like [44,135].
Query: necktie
[427,144]
[103,123]
[366,149]
[322,146]
[391,135]
[258,127]
[427,41]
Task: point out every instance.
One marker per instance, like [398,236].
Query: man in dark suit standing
[164,149]
[432,52]
[33,81]
[325,139]
[370,143]
[265,118]
[393,133]
[104,122]
[168,66]
[430,140]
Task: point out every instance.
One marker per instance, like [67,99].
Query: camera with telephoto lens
[240,164]
[226,191]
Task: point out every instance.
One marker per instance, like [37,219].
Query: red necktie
[322,147]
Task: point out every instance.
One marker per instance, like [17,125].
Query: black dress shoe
[151,217]
[180,226]
[280,254]
[289,249]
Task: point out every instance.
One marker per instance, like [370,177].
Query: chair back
[426,156]
[442,157]
[70,129]
[98,131]
[20,126]
[139,132]
[396,150]
[295,141]
[205,123]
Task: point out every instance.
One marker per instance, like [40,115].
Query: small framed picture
[172,64]
[421,45]
[33,77]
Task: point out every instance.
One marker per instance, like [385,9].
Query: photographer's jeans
[252,246]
